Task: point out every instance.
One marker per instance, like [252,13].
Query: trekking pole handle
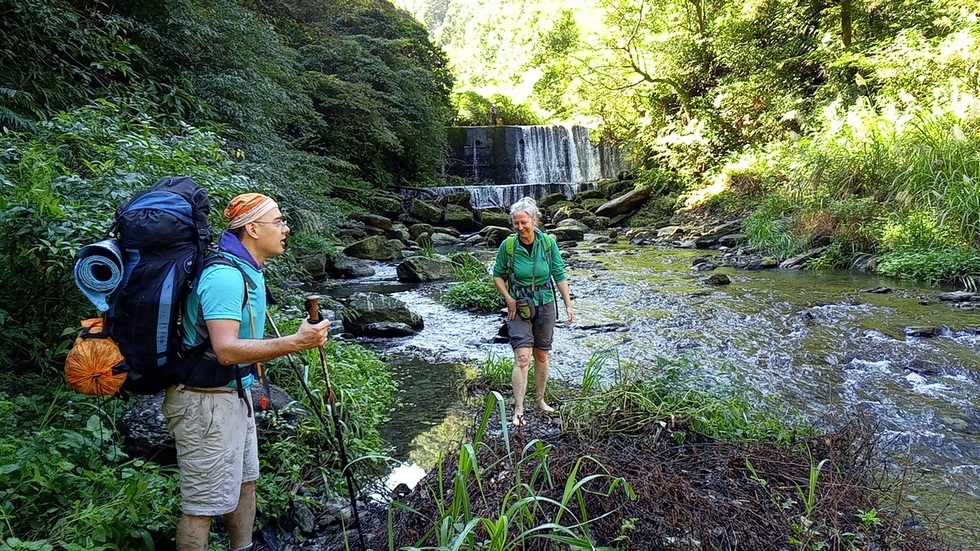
[313,309]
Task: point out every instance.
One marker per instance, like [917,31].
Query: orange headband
[246,208]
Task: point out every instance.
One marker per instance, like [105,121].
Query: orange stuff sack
[95,366]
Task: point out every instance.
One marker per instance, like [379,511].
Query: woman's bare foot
[519,419]
[544,407]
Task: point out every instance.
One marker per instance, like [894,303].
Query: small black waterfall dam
[500,164]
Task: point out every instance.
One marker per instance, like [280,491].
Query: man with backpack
[213,425]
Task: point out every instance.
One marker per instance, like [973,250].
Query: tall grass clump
[476,290]
[671,399]
[529,507]
[771,227]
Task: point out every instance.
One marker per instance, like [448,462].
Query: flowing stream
[821,341]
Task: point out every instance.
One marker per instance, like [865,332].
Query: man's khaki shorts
[216,447]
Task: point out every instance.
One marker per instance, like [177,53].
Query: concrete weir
[506,155]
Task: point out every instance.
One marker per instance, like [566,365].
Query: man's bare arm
[231,349]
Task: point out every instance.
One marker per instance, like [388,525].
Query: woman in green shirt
[526,265]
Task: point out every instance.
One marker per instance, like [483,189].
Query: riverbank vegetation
[657,457]
[846,125]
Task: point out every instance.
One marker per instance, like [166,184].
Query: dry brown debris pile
[699,495]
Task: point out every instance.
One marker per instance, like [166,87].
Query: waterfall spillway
[500,164]
[550,154]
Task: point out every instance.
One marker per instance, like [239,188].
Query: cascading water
[505,163]
[557,154]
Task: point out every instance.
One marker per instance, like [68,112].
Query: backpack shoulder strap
[217,259]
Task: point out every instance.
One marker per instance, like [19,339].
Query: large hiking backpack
[164,234]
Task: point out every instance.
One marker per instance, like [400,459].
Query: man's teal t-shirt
[220,294]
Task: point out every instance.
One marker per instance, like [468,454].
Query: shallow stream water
[821,341]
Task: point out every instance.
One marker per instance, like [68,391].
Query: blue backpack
[164,234]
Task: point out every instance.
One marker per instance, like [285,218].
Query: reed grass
[525,512]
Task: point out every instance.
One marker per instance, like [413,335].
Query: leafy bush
[65,481]
[364,395]
[477,290]
[933,265]
[61,186]
[476,294]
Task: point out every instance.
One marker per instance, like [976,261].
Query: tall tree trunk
[845,22]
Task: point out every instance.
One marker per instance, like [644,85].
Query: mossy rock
[593,203]
[384,205]
[552,199]
[615,188]
[583,196]
[425,211]
[490,218]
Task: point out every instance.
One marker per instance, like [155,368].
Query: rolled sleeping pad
[98,271]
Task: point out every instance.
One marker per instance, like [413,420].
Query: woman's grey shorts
[538,332]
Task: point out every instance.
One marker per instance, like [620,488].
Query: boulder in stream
[345,267]
[624,204]
[376,247]
[417,269]
[363,310]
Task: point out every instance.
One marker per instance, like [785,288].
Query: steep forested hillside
[318,102]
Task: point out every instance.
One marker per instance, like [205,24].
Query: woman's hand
[511,307]
[571,313]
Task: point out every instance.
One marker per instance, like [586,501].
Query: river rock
[573,224]
[568,234]
[460,198]
[385,330]
[375,247]
[372,220]
[417,269]
[732,239]
[958,296]
[703,264]
[624,204]
[926,332]
[314,264]
[491,218]
[418,230]
[364,309]
[352,233]
[718,279]
[440,239]
[460,218]
[385,203]
[400,232]
[425,211]
[799,261]
[345,267]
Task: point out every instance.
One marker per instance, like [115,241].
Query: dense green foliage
[832,106]
[317,103]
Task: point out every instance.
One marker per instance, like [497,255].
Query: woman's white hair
[528,205]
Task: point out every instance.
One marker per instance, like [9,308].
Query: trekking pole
[314,317]
[302,380]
